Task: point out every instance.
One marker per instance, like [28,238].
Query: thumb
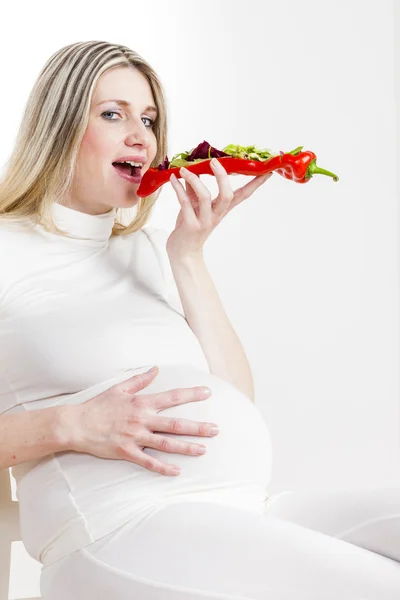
[138,382]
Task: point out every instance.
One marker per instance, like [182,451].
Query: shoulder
[16,251]
[9,230]
[17,234]
[16,242]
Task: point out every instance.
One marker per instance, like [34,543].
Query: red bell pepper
[296,165]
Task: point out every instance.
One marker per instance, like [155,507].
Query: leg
[368,518]
[198,550]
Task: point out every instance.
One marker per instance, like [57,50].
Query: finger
[188,213]
[137,382]
[202,193]
[191,194]
[194,201]
[247,190]
[152,464]
[166,444]
[226,195]
[182,426]
[176,396]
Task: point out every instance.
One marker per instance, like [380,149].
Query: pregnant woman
[125,490]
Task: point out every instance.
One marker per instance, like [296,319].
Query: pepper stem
[313,170]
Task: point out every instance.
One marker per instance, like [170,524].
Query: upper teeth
[133,164]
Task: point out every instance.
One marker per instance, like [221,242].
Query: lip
[134,158]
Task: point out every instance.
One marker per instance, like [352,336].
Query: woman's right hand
[117,424]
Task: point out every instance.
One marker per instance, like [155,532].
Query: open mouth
[127,169]
[128,172]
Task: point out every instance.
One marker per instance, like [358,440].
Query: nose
[139,136]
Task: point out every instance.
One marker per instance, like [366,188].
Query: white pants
[307,546]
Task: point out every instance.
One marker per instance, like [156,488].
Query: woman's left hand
[199,214]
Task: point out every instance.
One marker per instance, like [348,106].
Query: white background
[308,274]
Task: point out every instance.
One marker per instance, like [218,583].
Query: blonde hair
[41,167]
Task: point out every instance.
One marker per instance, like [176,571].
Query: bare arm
[33,435]
[208,320]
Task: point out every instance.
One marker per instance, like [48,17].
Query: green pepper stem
[313,170]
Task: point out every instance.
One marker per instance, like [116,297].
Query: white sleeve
[158,238]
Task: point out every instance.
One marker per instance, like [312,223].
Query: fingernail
[214,430]
[175,470]
[206,391]
[152,369]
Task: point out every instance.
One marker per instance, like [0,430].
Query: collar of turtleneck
[82,226]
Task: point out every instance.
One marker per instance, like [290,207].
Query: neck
[95,229]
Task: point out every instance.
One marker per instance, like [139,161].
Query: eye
[110,112]
[113,112]
[151,121]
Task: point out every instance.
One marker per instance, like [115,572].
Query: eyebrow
[149,108]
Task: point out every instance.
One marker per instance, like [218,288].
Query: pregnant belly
[77,493]
[239,456]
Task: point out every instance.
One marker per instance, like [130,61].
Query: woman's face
[114,131]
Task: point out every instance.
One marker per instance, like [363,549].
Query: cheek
[94,146]
[90,145]
[153,149]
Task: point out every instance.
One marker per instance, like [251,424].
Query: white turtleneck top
[79,314]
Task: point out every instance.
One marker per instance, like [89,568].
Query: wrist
[192,258]
[66,428]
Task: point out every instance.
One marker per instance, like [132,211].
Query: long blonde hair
[43,161]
